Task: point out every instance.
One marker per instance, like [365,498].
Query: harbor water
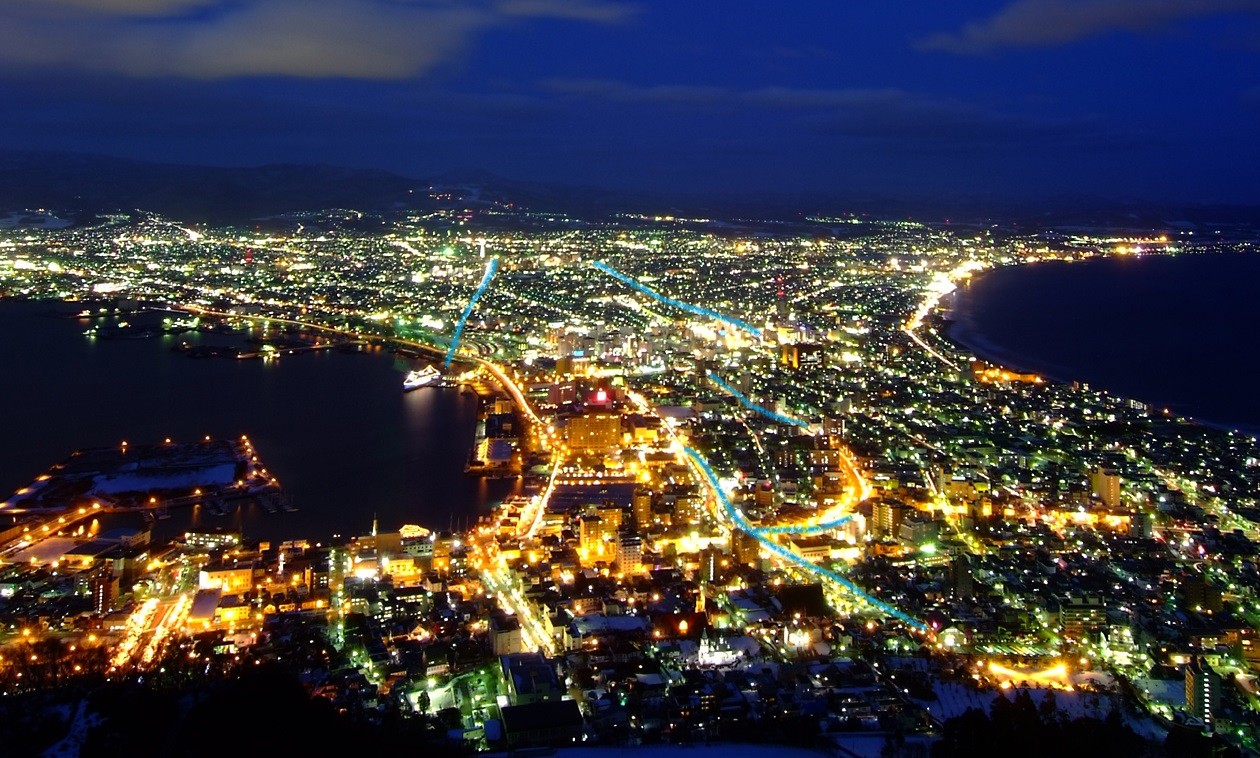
[335,427]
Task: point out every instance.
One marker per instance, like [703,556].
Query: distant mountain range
[82,185]
[88,184]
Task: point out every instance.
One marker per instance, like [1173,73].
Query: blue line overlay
[819,528]
[742,522]
[491,268]
[753,406]
[694,309]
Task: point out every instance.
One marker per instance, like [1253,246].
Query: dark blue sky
[1125,99]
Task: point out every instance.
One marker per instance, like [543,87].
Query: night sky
[1120,99]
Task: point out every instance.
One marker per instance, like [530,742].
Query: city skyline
[1026,99]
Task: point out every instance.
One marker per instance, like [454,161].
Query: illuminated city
[629,379]
[802,473]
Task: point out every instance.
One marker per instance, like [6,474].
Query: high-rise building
[629,553]
[104,591]
[610,517]
[1200,595]
[887,516]
[714,564]
[1104,484]
[1080,615]
[746,548]
[688,509]
[1203,691]
[597,535]
[641,507]
[962,577]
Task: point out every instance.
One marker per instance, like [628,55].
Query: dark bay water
[336,428]
[1178,332]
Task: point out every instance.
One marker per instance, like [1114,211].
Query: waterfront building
[611,517]
[542,723]
[209,541]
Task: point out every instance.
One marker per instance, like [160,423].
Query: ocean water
[1180,332]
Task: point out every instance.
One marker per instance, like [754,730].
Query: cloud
[213,39]
[599,12]
[70,8]
[1049,23]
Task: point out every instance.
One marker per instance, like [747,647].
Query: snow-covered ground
[32,221]
[955,698]
[68,746]
[1170,691]
[594,623]
[722,750]
[871,744]
[222,474]
[45,551]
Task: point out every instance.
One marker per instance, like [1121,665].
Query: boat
[421,378]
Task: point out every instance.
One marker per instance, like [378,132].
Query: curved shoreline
[962,332]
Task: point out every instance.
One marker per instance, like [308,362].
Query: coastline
[961,330]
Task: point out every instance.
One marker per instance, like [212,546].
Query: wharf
[227,351]
[151,479]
